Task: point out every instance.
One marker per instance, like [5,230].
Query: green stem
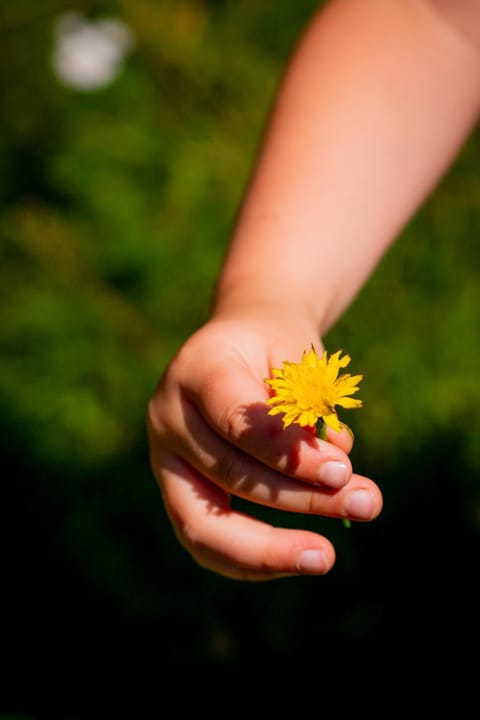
[321,428]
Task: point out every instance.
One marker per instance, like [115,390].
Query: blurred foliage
[116,206]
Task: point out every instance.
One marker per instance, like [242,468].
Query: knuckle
[232,473]
[228,417]
[316,502]
[232,422]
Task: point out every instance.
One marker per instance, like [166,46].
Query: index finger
[238,412]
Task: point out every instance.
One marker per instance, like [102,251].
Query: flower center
[316,394]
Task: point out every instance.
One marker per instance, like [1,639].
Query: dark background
[116,206]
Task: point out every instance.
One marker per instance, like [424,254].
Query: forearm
[375,104]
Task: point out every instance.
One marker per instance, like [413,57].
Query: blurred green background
[117,199]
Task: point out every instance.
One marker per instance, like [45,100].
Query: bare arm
[377,100]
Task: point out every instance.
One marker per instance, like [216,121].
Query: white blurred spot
[89,54]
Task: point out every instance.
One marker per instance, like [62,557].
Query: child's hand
[211,438]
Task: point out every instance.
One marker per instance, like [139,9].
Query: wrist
[261,297]
[284,320]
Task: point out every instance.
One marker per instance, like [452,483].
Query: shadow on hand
[257,472]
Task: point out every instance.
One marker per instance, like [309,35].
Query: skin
[373,107]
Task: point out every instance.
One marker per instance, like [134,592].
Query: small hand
[211,438]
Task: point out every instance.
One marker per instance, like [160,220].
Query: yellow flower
[308,391]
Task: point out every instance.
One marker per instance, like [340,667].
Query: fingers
[229,542]
[211,437]
[237,412]
[344,439]
[241,547]
[241,474]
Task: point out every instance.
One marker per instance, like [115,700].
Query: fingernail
[333,473]
[312,561]
[359,504]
